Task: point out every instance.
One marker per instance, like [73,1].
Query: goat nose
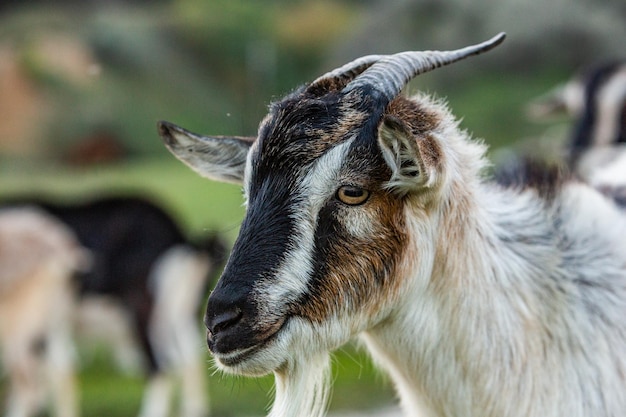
[217,322]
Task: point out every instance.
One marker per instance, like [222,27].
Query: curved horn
[347,72]
[391,73]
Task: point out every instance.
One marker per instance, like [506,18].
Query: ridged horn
[389,74]
[347,72]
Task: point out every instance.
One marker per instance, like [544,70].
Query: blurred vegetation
[213,66]
[74,72]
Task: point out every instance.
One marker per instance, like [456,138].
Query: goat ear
[412,161]
[221,158]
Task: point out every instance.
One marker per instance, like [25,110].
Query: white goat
[38,257]
[367,215]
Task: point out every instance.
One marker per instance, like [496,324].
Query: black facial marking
[268,223]
[257,253]
[289,142]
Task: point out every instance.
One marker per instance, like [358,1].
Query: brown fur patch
[430,151]
[418,119]
[358,273]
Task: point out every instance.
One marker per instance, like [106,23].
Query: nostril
[223,320]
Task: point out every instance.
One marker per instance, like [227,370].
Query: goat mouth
[239,355]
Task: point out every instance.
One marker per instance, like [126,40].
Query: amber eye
[351,195]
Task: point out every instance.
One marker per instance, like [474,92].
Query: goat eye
[352,195]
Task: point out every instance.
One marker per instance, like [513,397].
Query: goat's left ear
[221,158]
[413,161]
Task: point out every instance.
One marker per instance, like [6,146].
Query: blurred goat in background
[38,258]
[595,99]
[145,286]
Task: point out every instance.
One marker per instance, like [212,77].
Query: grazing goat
[38,259]
[368,215]
[596,100]
[145,266]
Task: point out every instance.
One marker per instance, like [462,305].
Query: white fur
[610,100]
[104,319]
[508,342]
[493,326]
[604,166]
[178,279]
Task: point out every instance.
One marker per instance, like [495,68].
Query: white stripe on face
[291,279]
[247,173]
[610,101]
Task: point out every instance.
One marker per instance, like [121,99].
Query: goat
[595,99]
[367,214]
[145,266]
[38,259]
